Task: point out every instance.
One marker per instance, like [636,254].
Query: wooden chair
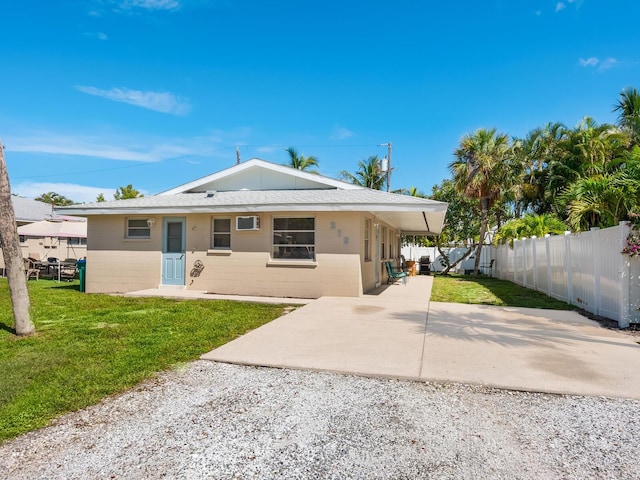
[392,275]
[30,269]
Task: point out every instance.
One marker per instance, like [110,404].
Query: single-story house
[256,228]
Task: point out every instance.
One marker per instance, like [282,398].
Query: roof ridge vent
[211,193]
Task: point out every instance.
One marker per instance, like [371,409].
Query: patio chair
[488,266]
[68,272]
[30,269]
[392,275]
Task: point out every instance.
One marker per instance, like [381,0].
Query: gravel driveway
[211,420]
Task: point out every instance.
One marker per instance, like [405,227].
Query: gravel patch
[211,420]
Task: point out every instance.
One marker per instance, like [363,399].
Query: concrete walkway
[396,332]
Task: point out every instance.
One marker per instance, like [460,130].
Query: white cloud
[341,133]
[165,102]
[267,149]
[99,35]
[589,62]
[150,4]
[607,63]
[110,147]
[603,65]
[77,193]
[560,6]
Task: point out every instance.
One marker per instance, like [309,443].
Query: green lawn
[490,291]
[89,346]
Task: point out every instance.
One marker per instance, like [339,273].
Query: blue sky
[96,94]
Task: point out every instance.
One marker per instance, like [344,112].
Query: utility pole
[389,148]
[237,156]
[13,262]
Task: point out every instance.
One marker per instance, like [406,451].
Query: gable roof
[256,174]
[315,193]
[27,210]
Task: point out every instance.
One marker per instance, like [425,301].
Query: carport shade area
[397,333]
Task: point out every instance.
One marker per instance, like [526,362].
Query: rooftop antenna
[237,156]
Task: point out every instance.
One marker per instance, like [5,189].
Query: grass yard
[89,346]
[490,291]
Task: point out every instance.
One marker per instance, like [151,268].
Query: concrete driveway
[398,333]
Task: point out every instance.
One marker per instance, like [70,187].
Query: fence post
[596,270]
[567,264]
[625,273]
[548,253]
[534,262]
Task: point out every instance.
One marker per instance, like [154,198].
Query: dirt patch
[633,330]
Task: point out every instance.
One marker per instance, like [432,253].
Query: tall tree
[483,170]
[53,198]
[628,108]
[528,226]
[301,162]
[461,223]
[123,193]
[13,261]
[369,174]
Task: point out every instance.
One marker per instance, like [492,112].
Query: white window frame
[275,245]
[367,239]
[129,228]
[214,233]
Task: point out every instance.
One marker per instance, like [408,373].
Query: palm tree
[53,198]
[601,200]
[483,171]
[628,106]
[528,226]
[369,174]
[300,161]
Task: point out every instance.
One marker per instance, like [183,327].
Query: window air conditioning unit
[248,223]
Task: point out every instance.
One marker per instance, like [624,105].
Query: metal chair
[488,266]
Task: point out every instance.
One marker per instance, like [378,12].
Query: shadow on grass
[7,328]
[512,295]
[69,286]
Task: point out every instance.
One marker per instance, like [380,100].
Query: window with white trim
[221,234]
[367,240]
[77,241]
[138,228]
[384,241]
[294,238]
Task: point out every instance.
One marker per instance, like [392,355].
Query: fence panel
[582,269]
[540,265]
[558,269]
[585,269]
[609,272]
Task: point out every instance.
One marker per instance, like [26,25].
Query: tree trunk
[13,262]
[484,220]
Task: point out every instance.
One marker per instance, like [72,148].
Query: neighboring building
[256,228]
[28,211]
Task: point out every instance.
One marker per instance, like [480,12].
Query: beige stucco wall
[40,248]
[115,264]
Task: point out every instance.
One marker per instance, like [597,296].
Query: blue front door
[173,251]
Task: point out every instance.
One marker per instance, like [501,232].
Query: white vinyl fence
[584,269]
